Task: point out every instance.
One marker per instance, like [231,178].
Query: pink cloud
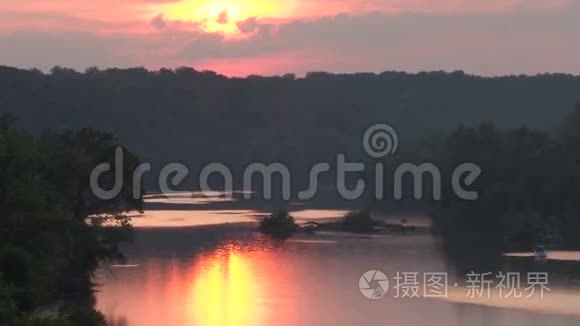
[333,7]
[486,37]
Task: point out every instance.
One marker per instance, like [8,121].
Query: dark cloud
[159,22]
[74,50]
[249,25]
[478,43]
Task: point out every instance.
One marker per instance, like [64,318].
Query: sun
[223,16]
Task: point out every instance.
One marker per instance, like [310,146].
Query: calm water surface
[230,275]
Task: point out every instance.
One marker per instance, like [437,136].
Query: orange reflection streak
[231,285]
[241,288]
[225,290]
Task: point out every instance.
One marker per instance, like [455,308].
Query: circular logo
[380,140]
[373,284]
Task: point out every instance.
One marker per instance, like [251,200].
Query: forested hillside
[199,117]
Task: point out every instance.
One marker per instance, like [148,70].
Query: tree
[48,246]
[359,222]
[278,225]
[528,190]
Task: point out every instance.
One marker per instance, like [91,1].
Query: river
[214,273]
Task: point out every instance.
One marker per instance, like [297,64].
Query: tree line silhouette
[197,117]
[53,230]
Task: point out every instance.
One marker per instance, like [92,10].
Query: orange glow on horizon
[223,16]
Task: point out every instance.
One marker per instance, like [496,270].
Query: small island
[278,225]
[281,225]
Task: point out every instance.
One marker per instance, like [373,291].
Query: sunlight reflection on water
[186,218]
[552,255]
[224,275]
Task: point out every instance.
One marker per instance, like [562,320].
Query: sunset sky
[488,37]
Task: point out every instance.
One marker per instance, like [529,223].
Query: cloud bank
[482,37]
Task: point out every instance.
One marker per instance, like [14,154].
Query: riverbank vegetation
[51,239]
[207,117]
[278,225]
[529,190]
[359,222]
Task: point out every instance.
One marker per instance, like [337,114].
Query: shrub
[359,222]
[278,225]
